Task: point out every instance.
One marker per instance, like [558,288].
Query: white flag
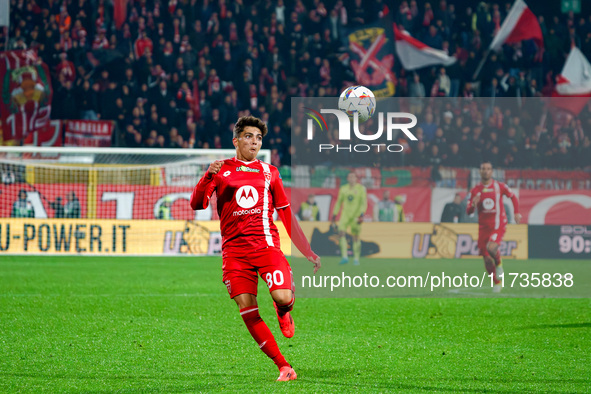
[575,77]
[414,54]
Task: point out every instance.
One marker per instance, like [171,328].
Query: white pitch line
[111,295]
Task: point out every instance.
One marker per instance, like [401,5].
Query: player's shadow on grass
[570,325]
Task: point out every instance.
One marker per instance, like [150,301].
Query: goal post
[94,197]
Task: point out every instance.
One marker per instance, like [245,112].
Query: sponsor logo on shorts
[247,212]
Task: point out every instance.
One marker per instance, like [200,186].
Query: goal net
[45,193]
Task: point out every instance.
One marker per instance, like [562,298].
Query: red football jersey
[491,211]
[247,195]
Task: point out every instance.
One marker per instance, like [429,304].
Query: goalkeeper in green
[353,199]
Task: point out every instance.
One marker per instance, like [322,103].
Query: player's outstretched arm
[516,208]
[297,236]
[509,193]
[206,186]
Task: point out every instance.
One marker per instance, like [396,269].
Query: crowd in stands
[178,73]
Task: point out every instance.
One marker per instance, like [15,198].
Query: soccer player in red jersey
[487,196]
[248,191]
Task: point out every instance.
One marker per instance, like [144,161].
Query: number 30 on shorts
[275,277]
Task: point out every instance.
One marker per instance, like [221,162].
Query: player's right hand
[316,261]
[215,167]
[476,199]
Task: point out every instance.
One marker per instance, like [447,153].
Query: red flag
[520,24]
[119,12]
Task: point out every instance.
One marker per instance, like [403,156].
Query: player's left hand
[360,219]
[517,218]
[316,262]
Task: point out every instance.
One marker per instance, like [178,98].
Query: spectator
[165,209]
[453,158]
[22,208]
[387,210]
[417,94]
[87,101]
[452,211]
[429,127]
[418,155]
[444,83]
[309,210]
[142,44]
[58,208]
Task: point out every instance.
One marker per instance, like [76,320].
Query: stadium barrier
[416,240]
[190,238]
[114,237]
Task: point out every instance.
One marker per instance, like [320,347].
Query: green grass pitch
[97,324]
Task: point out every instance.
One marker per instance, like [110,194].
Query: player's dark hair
[246,121]
[486,161]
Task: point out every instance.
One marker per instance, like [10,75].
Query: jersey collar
[246,162]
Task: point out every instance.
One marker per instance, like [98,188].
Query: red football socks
[262,335]
[498,260]
[490,268]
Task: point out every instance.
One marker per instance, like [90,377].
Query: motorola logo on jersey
[247,197]
[247,212]
[488,204]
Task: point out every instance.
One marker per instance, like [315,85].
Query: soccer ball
[360,100]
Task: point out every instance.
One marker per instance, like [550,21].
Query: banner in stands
[371,50]
[416,240]
[555,206]
[547,179]
[560,242]
[114,237]
[88,133]
[25,89]
[50,135]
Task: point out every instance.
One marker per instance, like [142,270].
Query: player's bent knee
[282,296]
[492,248]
